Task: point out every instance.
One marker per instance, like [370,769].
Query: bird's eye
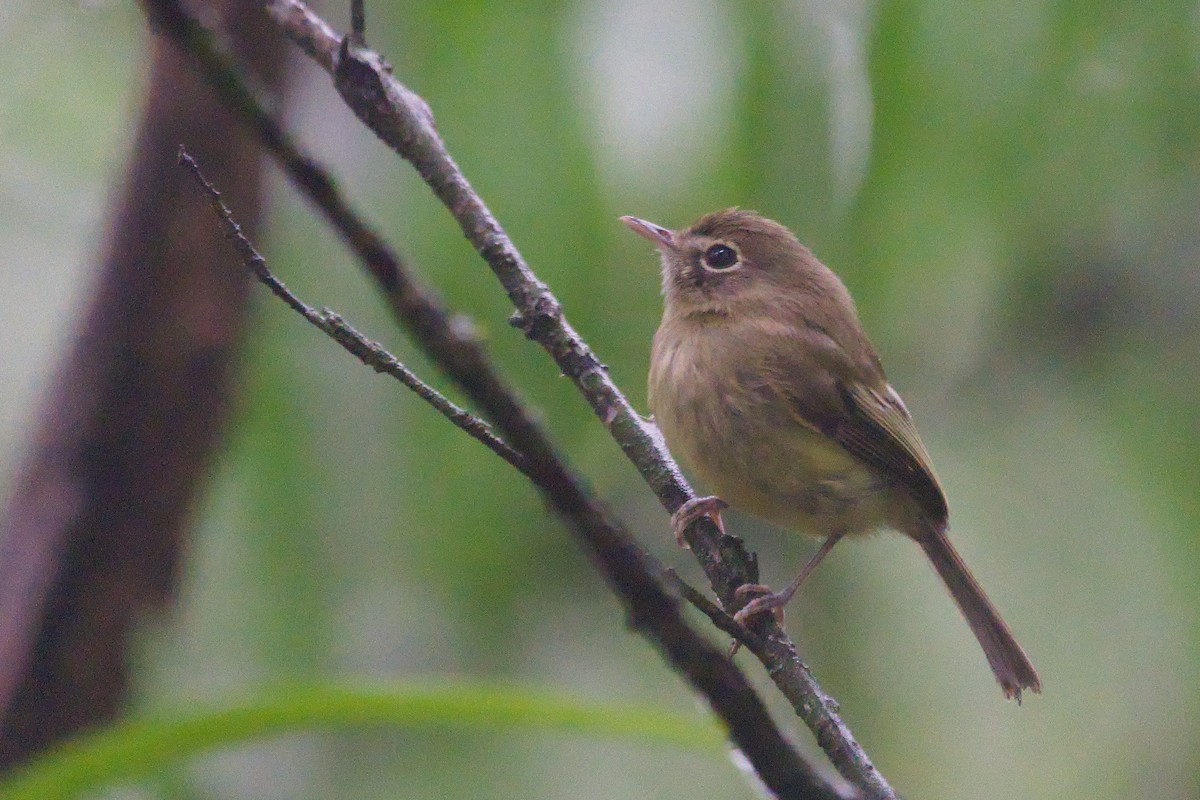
[720,256]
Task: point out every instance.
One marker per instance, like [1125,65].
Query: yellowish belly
[745,445]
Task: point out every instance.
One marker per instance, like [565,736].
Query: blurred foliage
[136,748]
[1009,190]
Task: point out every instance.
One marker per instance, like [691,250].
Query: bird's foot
[760,599]
[763,600]
[692,510]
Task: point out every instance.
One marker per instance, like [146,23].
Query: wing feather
[851,402]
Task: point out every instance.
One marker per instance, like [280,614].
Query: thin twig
[403,120]
[358,22]
[720,618]
[450,339]
[368,352]
[652,611]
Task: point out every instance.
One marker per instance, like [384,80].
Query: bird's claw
[759,599]
[692,510]
[762,599]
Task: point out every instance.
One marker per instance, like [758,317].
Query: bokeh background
[1010,190]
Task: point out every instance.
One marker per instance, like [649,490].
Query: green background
[1008,189]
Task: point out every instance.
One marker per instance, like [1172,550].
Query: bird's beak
[662,238]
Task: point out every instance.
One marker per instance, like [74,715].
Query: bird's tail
[1011,666]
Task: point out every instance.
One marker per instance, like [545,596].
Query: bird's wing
[850,401]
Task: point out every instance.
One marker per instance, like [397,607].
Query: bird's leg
[692,510]
[767,600]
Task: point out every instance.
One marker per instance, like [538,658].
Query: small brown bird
[763,381]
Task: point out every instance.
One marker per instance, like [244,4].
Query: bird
[764,383]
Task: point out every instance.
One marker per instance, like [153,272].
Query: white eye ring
[720,257]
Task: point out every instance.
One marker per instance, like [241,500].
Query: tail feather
[1011,666]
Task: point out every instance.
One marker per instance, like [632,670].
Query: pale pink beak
[660,236]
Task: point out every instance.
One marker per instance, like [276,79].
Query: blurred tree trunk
[92,535]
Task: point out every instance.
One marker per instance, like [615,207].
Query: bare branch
[403,120]
[370,353]
[450,339]
[629,571]
[358,22]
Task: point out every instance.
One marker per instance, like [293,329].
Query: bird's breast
[719,415]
